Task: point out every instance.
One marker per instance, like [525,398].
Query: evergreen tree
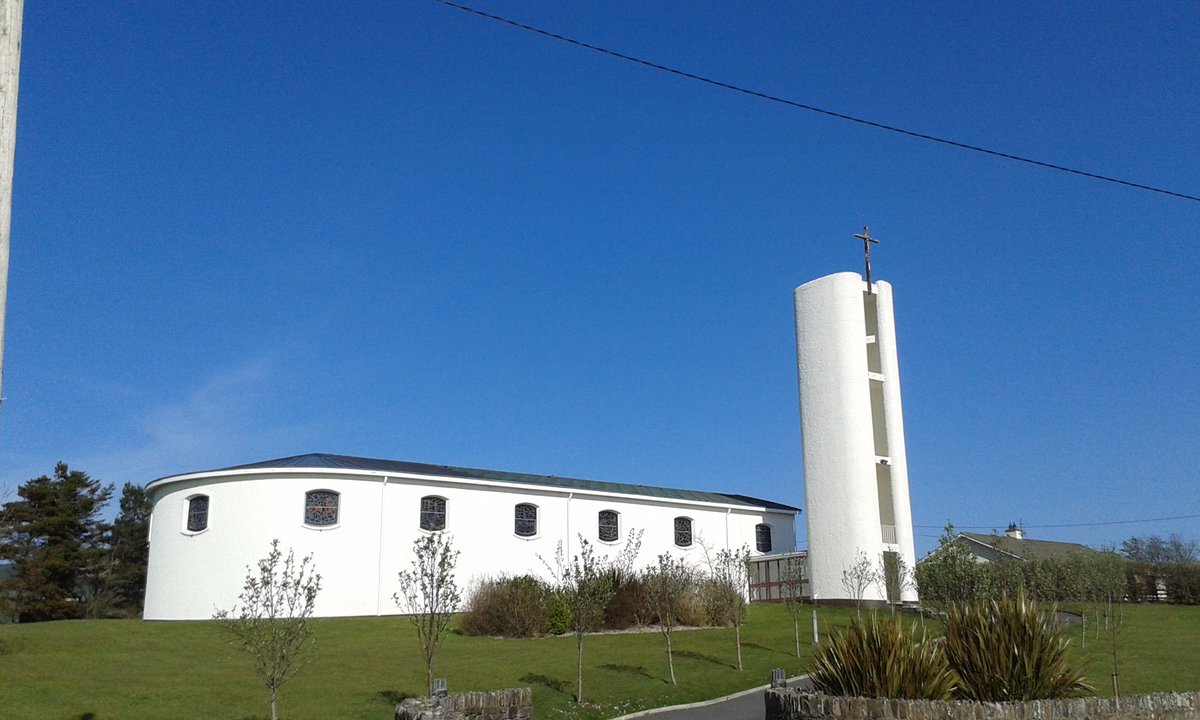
[130,549]
[54,537]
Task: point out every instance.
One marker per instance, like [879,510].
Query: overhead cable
[813,108]
[1065,525]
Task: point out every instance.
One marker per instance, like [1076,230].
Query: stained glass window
[433,513]
[762,538]
[525,520]
[683,531]
[320,507]
[609,529]
[197,517]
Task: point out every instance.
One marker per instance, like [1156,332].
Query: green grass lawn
[1157,650]
[131,669]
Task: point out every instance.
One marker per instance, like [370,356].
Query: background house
[1013,545]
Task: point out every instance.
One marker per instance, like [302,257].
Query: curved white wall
[890,368]
[835,424]
[191,575]
[846,501]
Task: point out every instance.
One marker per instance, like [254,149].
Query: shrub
[1183,582]
[561,620]
[876,658]
[691,610]
[509,607]
[1006,650]
[627,607]
[1141,582]
[717,599]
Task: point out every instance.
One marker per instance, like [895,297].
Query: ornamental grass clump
[876,658]
[1008,649]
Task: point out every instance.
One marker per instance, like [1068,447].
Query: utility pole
[11,13]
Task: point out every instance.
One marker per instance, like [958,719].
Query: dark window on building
[320,507]
[610,528]
[433,513]
[525,520]
[683,531]
[762,538]
[197,517]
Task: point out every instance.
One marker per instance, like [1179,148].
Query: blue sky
[250,230]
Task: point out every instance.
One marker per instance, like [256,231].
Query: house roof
[347,462]
[1026,549]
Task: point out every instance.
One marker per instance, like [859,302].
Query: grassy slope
[1156,650]
[132,669]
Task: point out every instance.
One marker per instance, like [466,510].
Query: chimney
[1015,532]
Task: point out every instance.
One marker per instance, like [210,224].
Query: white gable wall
[191,575]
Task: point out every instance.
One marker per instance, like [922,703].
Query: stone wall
[792,704]
[515,704]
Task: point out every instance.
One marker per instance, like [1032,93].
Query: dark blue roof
[346,462]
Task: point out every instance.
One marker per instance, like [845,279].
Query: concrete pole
[11,13]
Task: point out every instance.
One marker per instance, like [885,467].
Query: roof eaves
[990,546]
[348,462]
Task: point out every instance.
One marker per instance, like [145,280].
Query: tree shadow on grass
[631,670]
[394,697]
[562,686]
[701,656]
[787,653]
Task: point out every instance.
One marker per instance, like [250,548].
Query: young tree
[271,618]
[667,585]
[54,538]
[586,584]
[791,590]
[858,578]
[896,577]
[429,594]
[1114,622]
[1111,583]
[730,582]
[587,588]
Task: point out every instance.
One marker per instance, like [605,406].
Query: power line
[812,108]
[1066,525]
[1115,522]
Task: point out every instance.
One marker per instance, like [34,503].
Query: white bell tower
[855,470]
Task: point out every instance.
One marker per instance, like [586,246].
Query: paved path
[743,706]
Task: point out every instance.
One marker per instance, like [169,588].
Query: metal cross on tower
[865,236]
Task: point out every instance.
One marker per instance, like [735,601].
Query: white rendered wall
[839,427]
[191,575]
[898,459]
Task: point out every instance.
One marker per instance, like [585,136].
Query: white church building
[358,518]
